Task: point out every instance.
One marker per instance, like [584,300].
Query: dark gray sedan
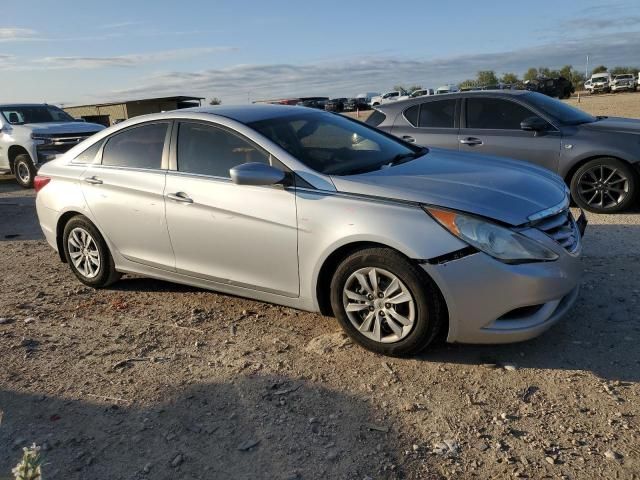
[597,156]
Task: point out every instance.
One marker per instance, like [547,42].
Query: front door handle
[93,180]
[409,138]
[180,197]
[471,141]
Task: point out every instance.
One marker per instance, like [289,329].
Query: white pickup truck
[599,82]
[32,134]
[389,97]
[625,81]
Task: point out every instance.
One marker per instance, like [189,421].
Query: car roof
[250,113]
[441,96]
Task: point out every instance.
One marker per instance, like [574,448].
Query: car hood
[614,125]
[504,190]
[64,127]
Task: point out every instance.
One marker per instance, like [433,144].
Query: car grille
[63,142]
[562,228]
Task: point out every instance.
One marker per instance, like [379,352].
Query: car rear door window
[208,150]
[411,114]
[495,114]
[136,147]
[437,114]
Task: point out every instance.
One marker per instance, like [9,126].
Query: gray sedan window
[208,150]
[439,114]
[496,114]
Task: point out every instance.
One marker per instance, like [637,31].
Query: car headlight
[499,242]
[43,139]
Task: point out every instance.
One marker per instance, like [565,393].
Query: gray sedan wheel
[385,302]
[87,253]
[604,185]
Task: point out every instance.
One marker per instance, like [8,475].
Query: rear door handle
[180,197]
[471,141]
[93,180]
[409,138]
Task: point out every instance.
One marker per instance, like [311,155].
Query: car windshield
[599,79]
[17,115]
[565,114]
[623,77]
[333,144]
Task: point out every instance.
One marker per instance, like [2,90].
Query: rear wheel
[385,303]
[24,170]
[604,185]
[87,253]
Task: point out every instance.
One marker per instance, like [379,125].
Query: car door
[124,191]
[433,123]
[240,235]
[491,126]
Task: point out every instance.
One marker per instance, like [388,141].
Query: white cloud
[118,61]
[352,76]
[16,34]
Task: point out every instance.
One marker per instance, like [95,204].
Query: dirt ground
[149,379]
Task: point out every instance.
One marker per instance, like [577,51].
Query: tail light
[39,182]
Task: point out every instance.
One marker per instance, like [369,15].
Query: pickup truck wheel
[604,185]
[24,170]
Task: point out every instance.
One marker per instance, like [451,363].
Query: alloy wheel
[23,172]
[603,186]
[379,305]
[84,252]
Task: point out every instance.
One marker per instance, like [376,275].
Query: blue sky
[75,52]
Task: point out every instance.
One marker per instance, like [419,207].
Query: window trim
[173,151]
[456,114]
[164,162]
[463,116]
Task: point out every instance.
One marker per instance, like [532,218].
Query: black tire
[625,191]
[106,272]
[429,312]
[24,170]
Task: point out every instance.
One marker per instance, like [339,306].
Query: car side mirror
[254,173]
[533,124]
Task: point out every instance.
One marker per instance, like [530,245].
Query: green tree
[599,69]
[510,78]
[487,78]
[566,71]
[215,101]
[413,88]
[547,72]
[531,74]
[469,83]
[401,88]
[622,70]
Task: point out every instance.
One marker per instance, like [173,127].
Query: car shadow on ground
[600,333]
[248,427]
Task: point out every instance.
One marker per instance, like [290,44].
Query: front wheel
[604,185]
[386,303]
[24,170]
[87,253]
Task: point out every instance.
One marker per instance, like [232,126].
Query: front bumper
[492,302]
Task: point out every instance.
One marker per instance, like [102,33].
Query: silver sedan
[319,212]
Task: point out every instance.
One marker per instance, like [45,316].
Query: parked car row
[605,82]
